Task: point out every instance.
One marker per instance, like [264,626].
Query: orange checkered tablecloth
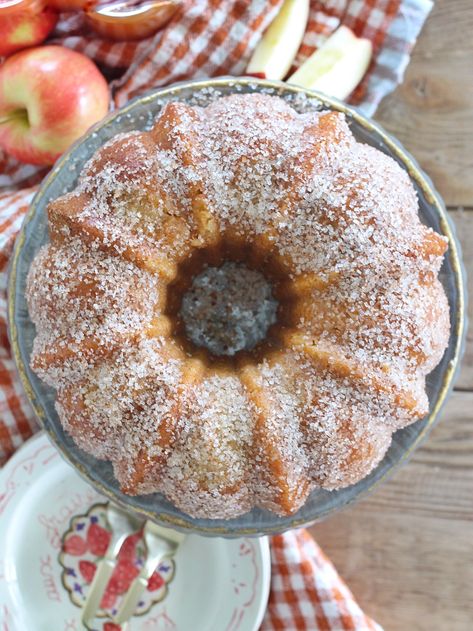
[209,38]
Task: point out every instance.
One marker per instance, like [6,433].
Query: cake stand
[139,114]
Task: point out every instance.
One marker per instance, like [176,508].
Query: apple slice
[278,47]
[338,66]
[130,19]
[70,5]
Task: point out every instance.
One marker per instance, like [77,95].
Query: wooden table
[407,551]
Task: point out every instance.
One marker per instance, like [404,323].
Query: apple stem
[16,115]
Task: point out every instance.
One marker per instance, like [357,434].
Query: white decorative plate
[52,533]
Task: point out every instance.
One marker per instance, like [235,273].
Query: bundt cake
[222,406]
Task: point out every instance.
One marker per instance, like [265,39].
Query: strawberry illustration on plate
[87,570]
[122,577]
[155,582]
[75,545]
[128,549]
[98,539]
[83,547]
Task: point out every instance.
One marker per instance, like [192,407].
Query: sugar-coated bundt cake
[331,224]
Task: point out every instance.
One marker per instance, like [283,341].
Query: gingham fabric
[307,593]
[209,38]
[16,417]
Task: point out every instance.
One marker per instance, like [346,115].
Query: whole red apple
[24,23]
[49,97]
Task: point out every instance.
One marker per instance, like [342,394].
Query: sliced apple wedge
[338,66]
[278,47]
[130,19]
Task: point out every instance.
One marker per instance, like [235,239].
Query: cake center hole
[228,309]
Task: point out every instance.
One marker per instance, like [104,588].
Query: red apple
[24,23]
[49,97]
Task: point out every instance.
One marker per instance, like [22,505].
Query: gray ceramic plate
[139,114]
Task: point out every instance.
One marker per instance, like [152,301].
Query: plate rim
[415,172]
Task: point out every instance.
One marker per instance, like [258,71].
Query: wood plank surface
[432,111]
[464,223]
[406,551]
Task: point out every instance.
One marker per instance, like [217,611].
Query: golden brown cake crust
[363,318]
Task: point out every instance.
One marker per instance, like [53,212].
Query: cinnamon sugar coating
[363,317]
